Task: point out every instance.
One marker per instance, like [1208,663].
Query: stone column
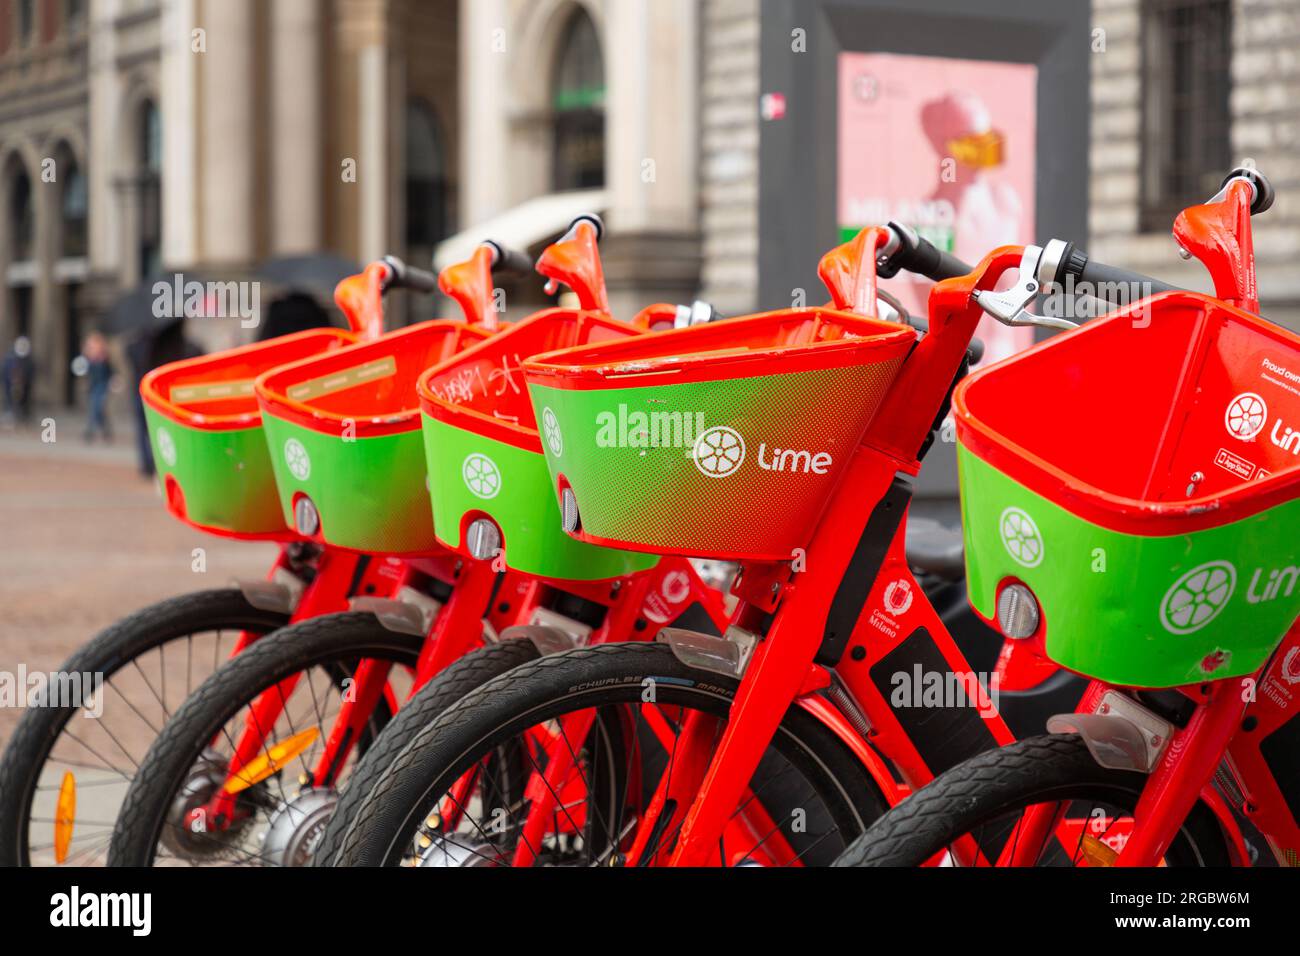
[178,112]
[484,120]
[297,127]
[651,142]
[227,145]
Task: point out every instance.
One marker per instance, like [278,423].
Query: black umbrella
[317,274]
[149,306]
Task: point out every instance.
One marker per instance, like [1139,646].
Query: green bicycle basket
[1140,477]
[490,487]
[207,434]
[344,438]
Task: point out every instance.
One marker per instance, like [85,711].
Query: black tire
[988,788]
[109,652]
[333,642]
[467,674]
[605,676]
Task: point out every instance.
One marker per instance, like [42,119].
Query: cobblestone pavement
[85,540]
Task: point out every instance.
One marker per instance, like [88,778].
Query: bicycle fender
[279,594]
[828,715]
[548,640]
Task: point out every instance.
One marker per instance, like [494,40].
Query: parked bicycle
[1183,751]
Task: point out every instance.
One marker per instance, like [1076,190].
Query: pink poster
[947,147]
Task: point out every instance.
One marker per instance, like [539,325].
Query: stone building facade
[1242,63]
[150,136]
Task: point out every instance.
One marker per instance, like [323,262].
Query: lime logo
[1021,538]
[1198,597]
[719,451]
[1245,416]
[551,430]
[482,476]
[166,448]
[296,457]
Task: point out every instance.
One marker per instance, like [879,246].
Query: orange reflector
[65,815]
[270,760]
[1096,852]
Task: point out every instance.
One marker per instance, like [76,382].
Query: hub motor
[296,828]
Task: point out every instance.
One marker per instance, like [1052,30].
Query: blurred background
[145,137]
[727,143]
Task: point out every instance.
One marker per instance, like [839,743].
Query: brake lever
[1011,306]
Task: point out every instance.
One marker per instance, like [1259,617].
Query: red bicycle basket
[1140,476]
[344,433]
[206,430]
[720,440]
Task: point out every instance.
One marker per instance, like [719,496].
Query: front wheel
[186,807]
[565,760]
[62,777]
[1043,801]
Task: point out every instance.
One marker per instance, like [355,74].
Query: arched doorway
[149,190]
[427,212]
[70,255]
[21,228]
[578,106]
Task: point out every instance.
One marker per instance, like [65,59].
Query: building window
[150,191]
[1186,129]
[22,218]
[578,101]
[74,205]
[74,15]
[26,21]
[427,217]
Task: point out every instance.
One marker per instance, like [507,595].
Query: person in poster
[947,147]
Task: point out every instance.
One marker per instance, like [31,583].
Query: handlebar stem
[1219,233]
[470,284]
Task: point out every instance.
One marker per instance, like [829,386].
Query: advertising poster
[945,146]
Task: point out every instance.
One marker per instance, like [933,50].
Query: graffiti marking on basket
[1021,538]
[297,459]
[167,447]
[1198,597]
[719,451]
[551,430]
[1245,416]
[482,476]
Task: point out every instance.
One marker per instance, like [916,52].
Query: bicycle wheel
[183,808]
[440,802]
[149,662]
[467,674]
[986,799]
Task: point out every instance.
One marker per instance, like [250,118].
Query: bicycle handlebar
[507,260]
[403,276]
[913,253]
[1066,266]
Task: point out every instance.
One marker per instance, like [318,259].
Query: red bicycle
[836,688]
[1183,750]
[64,779]
[213,787]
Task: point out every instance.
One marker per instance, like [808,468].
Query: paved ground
[84,540]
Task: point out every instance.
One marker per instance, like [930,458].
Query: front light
[1018,614]
[305,517]
[569,519]
[483,539]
